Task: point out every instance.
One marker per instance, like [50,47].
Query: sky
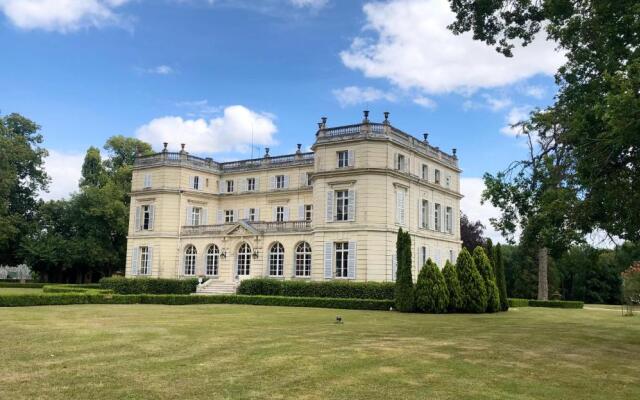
[220,75]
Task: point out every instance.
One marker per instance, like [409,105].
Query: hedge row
[74,289]
[78,298]
[556,304]
[545,303]
[122,285]
[329,289]
[28,285]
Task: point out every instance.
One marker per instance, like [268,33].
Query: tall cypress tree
[432,295]
[453,287]
[405,299]
[486,270]
[500,278]
[474,294]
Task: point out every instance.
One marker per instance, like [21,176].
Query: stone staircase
[213,286]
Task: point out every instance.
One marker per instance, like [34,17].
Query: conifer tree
[500,278]
[486,270]
[432,295]
[405,300]
[453,287]
[474,294]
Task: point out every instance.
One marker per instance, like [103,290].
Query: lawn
[241,352]
[19,290]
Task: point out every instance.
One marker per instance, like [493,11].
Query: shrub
[335,289]
[405,300]
[171,299]
[518,302]
[122,285]
[500,278]
[453,287]
[28,285]
[556,304]
[432,295]
[486,270]
[74,289]
[474,294]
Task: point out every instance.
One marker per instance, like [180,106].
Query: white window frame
[251,184]
[448,218]
[401,206]
[343,158]
[144,267]
[342,205]
[400,162]
[276,260]
[229,186]
[146,217]
[251,214]
[425,172]
[190,256]
[303,260]
[279,214]
[341,257]
[196,216]
[212,261]
[229,216]
[436,176]
[243,260]
[147,181]
[280,182]
[437,217]
[424,222]
[196,182]
[308,212]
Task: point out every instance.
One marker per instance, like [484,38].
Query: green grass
[242,352]
[19,290]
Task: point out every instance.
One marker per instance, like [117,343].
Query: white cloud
[231,131]
[317,4]
[65,170]
[412,47]
[197,108]
[160,70]
[352,95]
[472,190]
[497,104]
[535,91]
[62,15]
[515,115]
[425,102]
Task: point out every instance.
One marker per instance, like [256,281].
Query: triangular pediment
[241,229]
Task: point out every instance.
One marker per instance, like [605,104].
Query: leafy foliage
[500,277]
[474,294]
[486,270]
[453,287]
[471,233]
[334,289]
[432,295]
[122,285]
[404,290]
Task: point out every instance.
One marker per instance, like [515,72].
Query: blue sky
[209,72]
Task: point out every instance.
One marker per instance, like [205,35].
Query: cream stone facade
[328,214]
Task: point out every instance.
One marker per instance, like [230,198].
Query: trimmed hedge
[556,304]
[74,289]
[329,289]
[33,285]
[518,303]
[78,298]
[122,285]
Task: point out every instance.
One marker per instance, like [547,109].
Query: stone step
[217,288]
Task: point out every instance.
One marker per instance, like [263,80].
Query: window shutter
[221,186]
[243,185]
[329,206]
[246,214]
[257,214]
[267,270]
[138,223]
[220,217]
[205,216]
[152,216]
[432,220]
[293,263]
[240,214]
[191,182]
[273,182]
[150,266]
[395,161]
[328,263]
[419,213]
[286,181]
[352,260]
[304,179]
[421,259]
[398,221]
[394,267]
[352,205]
[257,184]
[187,220]
[274,214]
[135,256]
[301,212]
[286,213]
[350,158]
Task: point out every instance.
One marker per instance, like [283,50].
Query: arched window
[276,260]
[244,259]
[303,259]
[190,254]
[212,260]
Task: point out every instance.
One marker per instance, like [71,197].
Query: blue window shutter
[328,260]
[301,212]
[152,215]
[352,260]
[273,182]
[150,262]
[286,213]
[138,223]
[187,220]
[286,181]
[352,205]
[135,256]
[351,158]
[330,206]
[220,217]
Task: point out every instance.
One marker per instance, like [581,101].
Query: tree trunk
[543,264]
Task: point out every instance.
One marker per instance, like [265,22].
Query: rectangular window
[251,184]
[343,159]
[279,214]
[437,216]
[342,259]
[424,222]
[196,183]
[342,205]
[229,186]
[425,172]
[449,220]
[196,214]
[400,162]
[229,216]
[280,182]
[144,260]
[146,217]
[308,179]
[147,181]
[436,176]
[308,212]
[252,214]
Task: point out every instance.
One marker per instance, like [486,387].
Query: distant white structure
[20,272]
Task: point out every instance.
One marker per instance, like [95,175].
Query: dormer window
[400,162]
